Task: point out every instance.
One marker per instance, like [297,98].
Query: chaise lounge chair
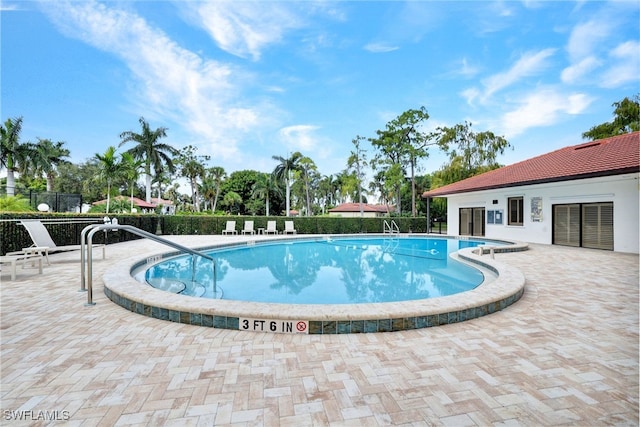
[42,239]
[248,228]
[271,228]
[288,228]
[231,228]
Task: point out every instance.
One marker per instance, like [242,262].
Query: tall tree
[241,182]
[626,120]
[13,154]
[357,161]
[162,179]
[79,178]
[283,172]
[192,167]
[308,172]
[208,191]
[109,169]
[400,145]
[130,171]
[264,187]
[217,175]
[148,149]
[47,156]
[470,152]
[232,200]
[328,188]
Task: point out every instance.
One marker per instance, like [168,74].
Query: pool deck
[566,353]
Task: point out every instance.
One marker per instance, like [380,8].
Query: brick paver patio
[565,354]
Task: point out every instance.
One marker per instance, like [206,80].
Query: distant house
[584,195]
[351,210]
[168,207]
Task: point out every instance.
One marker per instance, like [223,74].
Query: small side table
[38,250]
[260,230]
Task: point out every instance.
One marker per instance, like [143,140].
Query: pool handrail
[391,228]
[90,230]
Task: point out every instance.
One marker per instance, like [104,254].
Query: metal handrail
[390,228]
[87,246]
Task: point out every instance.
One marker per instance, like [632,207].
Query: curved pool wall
[495,295]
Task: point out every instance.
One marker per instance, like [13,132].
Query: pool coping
[121,288]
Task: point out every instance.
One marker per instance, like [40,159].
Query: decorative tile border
[488,298]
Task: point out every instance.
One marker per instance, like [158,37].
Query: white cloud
[586,37]
[625,65]
[380,48]
[170,82]
[470,95]
[544,107]
[242,28]
[577,71]
[529,64]
[7,7]
[299,137]
[467,70]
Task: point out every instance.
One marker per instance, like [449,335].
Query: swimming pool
[324,271]
[491,296]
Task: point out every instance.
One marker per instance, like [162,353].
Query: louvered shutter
[566,227]
[478,221]
[597,226]
[465,221]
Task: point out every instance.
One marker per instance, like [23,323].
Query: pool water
[326,271]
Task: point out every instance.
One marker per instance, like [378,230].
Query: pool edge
[502,292]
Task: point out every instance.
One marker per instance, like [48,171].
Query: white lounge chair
[248,228]
[16,257]
[231,228]
[271,228]
[42,240]
[288,228]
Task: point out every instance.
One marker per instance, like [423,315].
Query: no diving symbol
[301,326]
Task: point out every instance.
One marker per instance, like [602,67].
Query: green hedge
[181,224]
[67,231]
[14,237]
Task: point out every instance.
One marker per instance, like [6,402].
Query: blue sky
[244,81]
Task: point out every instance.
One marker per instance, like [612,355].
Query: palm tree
[208,191]
[162,179]
[232,199]
[149,150]
[109,169]
[263,187]
[217,174]
[13,154]
[357,160]
[284,173]
[47,155]
[192,168]
[309,173]
[130,171]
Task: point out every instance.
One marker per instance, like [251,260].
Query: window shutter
[597,225]
[566,229]
[478,221]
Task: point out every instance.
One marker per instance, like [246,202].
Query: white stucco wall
[622,190]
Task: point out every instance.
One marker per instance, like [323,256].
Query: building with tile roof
[583,195]
[352,210]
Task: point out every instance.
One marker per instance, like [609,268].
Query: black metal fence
[56,202]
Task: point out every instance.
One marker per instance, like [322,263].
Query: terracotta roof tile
[355,207]
[136,201]
[604,157]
